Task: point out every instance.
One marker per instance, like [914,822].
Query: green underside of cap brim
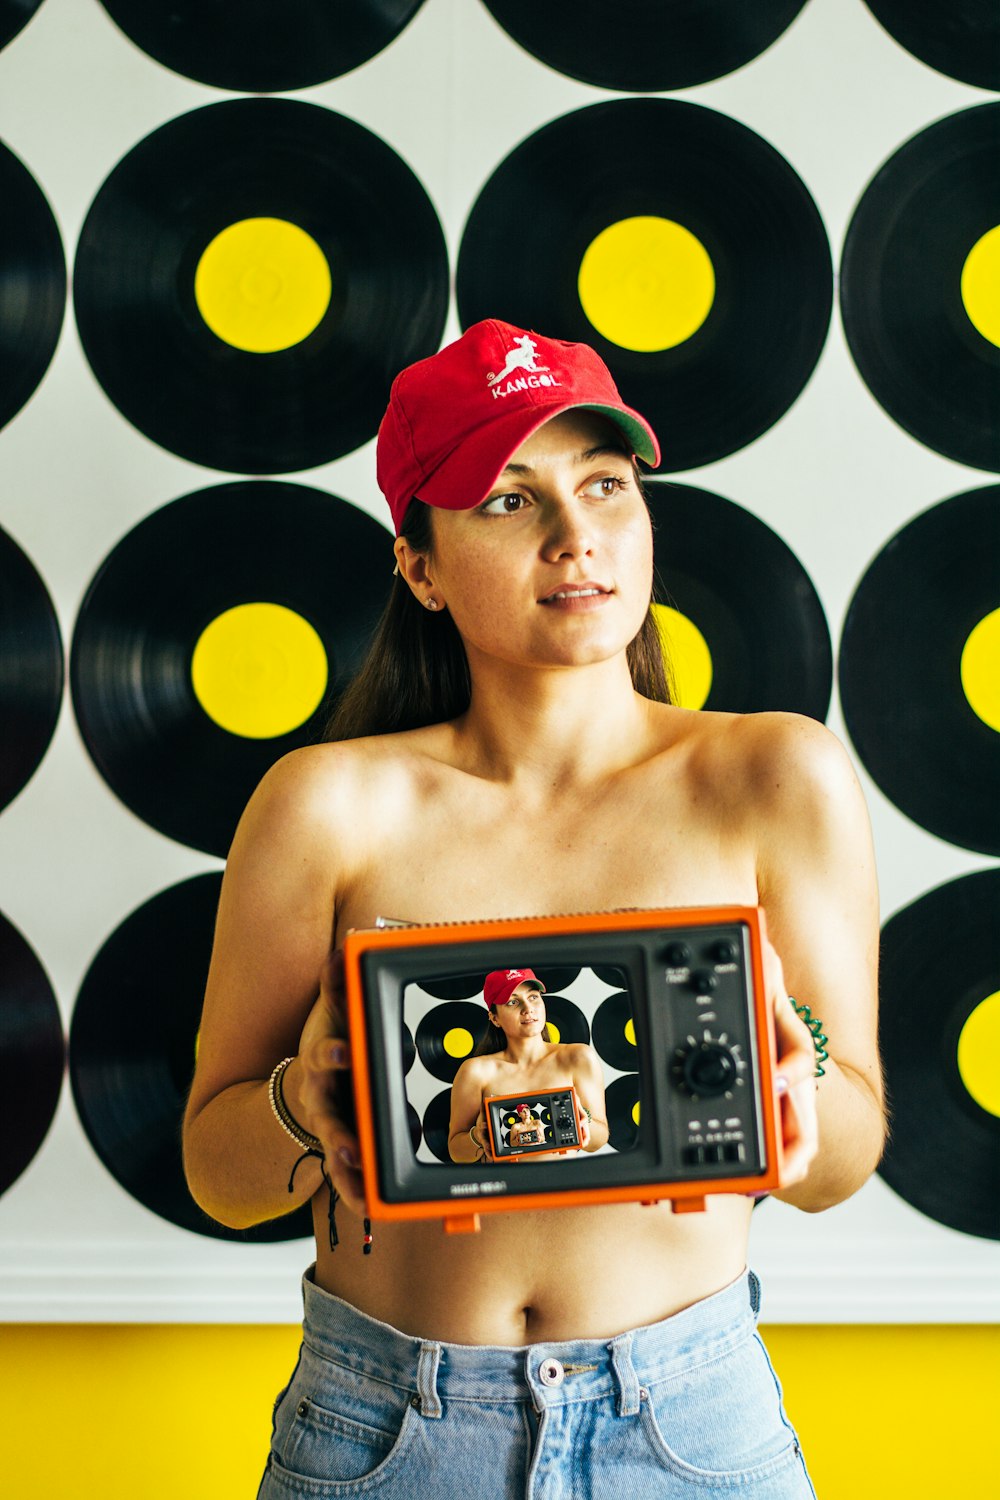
[637,435]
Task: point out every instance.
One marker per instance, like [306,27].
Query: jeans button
[551,1372]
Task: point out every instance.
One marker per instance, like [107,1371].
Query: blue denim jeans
[689,1407]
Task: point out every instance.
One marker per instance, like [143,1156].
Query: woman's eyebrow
[586,457]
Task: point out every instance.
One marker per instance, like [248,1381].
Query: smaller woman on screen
[517,1055]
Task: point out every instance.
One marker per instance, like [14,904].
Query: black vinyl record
[568,1019]
[644,45]
[148,607]
[751,599]
[940,962]
[459,1016]
[454,986]
[132,1052]
[409,1049]
[908,685]
[15,14]
[622,1098]
[415,1127]
[957,37]
[246,45]
[32,284]
[555,978]
[319,176]
[702,175]
[904,295]
[32,1053]
[614,1033]
[437,1118]
[31,669]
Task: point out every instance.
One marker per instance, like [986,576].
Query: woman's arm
[467,1113]
[588,1080]
[272,942]
[817,885]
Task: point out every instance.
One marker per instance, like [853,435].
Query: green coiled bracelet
[816,1028]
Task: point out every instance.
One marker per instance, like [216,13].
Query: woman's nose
[568,531]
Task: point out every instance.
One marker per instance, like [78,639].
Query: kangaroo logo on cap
[524,356]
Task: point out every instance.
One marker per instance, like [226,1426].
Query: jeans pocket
[329,1445]
[722,1422]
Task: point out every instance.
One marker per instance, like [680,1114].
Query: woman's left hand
[584,1131]
[795,1078]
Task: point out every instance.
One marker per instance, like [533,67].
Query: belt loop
[624,1371]
[427,1368]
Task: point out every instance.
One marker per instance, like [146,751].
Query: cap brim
[467,475]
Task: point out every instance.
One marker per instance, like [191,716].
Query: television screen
[624,1056]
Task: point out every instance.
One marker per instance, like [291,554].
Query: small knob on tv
[724,951]
[703,981]
[677,955]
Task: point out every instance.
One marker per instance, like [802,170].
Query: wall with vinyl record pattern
[779,224]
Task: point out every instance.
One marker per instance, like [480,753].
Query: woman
[610,1348]
[515,1056]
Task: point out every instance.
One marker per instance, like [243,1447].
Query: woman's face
[554,568]
[524,1013]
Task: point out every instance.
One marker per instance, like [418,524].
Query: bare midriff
[530,1277]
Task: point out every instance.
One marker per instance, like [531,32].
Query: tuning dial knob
[706,1069]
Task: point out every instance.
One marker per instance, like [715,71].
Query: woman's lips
[576,596]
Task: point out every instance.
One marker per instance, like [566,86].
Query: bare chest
[478,853]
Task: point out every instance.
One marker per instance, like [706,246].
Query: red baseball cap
[454,420]
[501,984]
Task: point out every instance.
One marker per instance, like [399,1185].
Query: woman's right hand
[483,1135]
[324,1088]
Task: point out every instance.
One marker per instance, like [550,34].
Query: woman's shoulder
[333,797]
[578,1056]
[759,774]
[762,750]
[477,1068]
[341,770]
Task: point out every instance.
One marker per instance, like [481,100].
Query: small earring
[431,603]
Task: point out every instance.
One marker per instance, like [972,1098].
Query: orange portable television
[542,1122]
[672,1004]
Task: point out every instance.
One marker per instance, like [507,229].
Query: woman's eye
[504,505]
[610,484]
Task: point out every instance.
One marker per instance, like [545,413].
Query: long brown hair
[416,671]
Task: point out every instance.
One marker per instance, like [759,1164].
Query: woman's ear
[415,568]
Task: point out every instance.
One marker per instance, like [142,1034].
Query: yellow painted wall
[150,1412]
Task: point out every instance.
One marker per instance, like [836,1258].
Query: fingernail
[349,1157]
[338,1054]
[780,1084]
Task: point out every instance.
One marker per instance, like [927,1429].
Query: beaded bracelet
[816,1028]
[283,1114]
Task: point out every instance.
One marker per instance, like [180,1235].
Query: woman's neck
[552,726]
[524,1053]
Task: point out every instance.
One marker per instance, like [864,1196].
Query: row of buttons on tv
[703,1156]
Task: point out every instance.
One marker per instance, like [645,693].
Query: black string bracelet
[369,1238]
